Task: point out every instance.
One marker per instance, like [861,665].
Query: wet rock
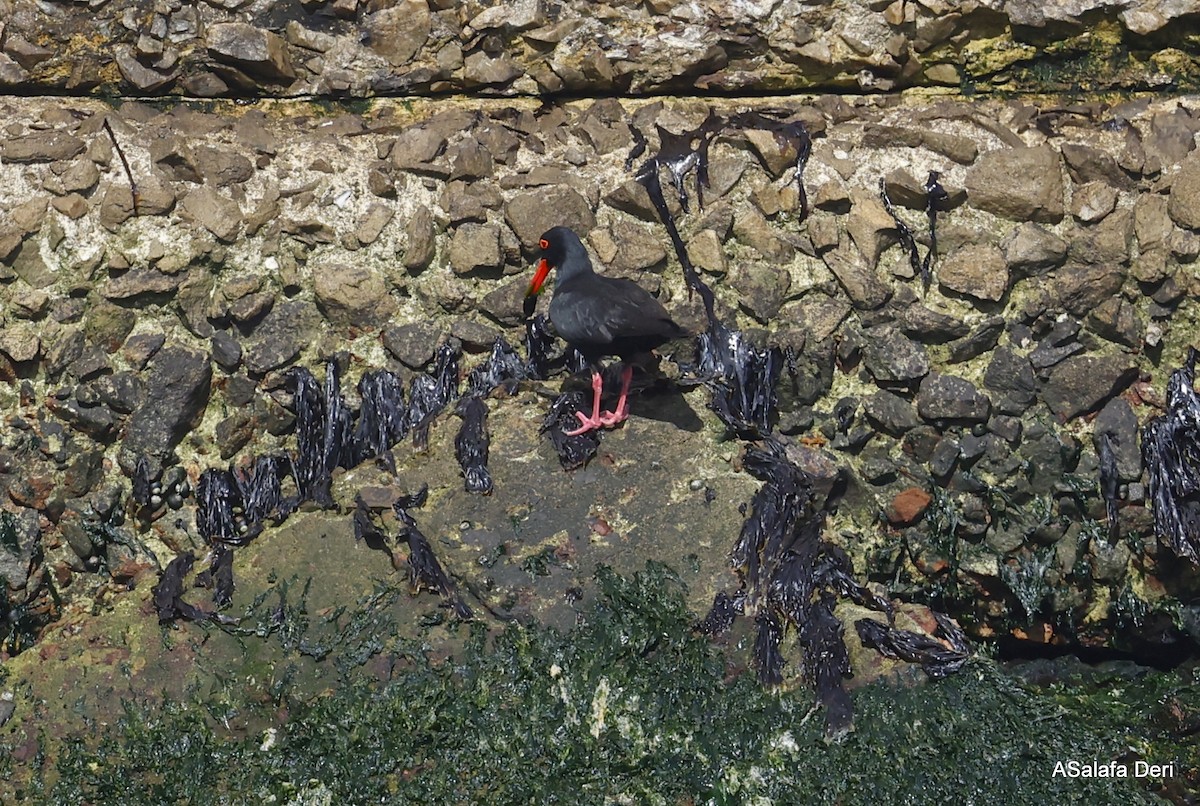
[1118,421]
[121,391]
[219,215]
[890,413]
[421,235]
[979,271]
[352,295]
[1084,383]
[141,347]
[476,247]
[177,385]
[860,282]
[414,344]
[47,146]
[257,51]
[891,357]
[397,33]
[1020,184]
[950,398]
[16,560]
[532,213]
[280,336]
[226,351]
[982,339]
[1030,250]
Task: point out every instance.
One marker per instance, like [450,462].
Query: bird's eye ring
[544,244]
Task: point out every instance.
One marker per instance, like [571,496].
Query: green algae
[630,707]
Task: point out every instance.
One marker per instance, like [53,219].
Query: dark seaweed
[768,657]
[725,609]
[365,528]
[430,393]
[217,494]
[309,466]
[573,451]
[221,573]
[168,592]
[742,379]
[1171,452]
[382,416]
[935,199]
[424,570]
[1109,482]
[907,240]
[539,339]
[261,488]
[471,445]
[338,425]
[503,367]
[934,656]
[826,662]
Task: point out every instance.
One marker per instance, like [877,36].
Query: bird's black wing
[622,311]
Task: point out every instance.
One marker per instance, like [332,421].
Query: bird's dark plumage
[600,316]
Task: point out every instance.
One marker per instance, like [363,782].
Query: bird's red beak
[539,278]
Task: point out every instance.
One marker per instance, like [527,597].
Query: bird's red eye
[543,243]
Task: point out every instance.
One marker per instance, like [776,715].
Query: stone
[475,247]
[950,398]
[217,214]
[413,344]
[42,146]
[143,284]
[1020,184]
[1086,164]
[1092,202]
[870,226]
[985,337]
[1083,383]
[481,69]
[1118,420]
[12,74]
[908,506]
[979,271]
[890,413]
[752,229]
[371,227]
[257,51]
[506,303]
[931,327]
[470,160]
[155,197]
[761,289]
[139,76]
[1183,203]
[178,380]
[20,342]
[707,253]
[1079,289]
[860,282]
[891,357]
[476,337]
[1118,320]
[352,295]
[1030,249]
[532,213]
[399,32]
[73,206]
[421,236]
[279,338]
[221,167]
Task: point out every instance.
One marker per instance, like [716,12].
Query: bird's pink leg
[621,413]
[596,420]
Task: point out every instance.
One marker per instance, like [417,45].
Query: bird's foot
[605,419]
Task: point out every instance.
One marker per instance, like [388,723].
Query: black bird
[599,316]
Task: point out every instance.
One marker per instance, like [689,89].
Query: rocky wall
[266,236]
[363,48]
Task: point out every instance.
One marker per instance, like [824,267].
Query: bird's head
[561,250]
